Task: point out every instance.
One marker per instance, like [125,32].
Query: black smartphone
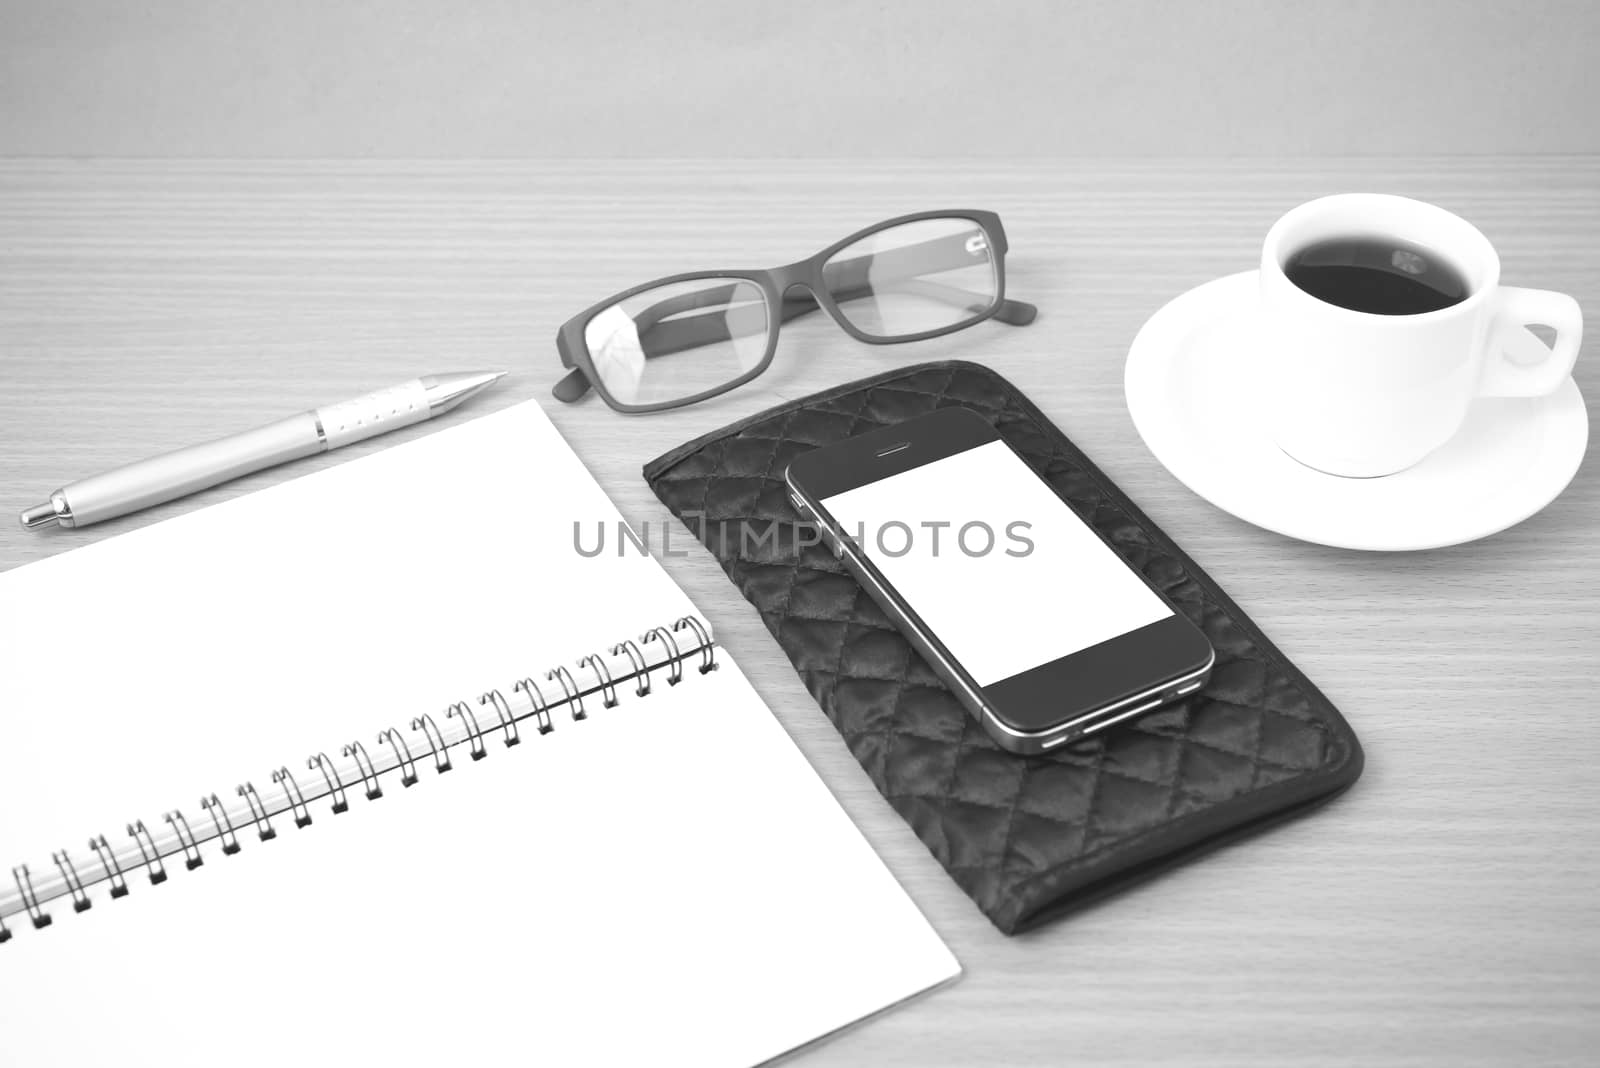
[1030,617]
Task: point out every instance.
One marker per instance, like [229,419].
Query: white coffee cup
[1358,394]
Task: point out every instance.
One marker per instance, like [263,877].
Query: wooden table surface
[1445,911]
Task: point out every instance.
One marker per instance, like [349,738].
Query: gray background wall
[618,78]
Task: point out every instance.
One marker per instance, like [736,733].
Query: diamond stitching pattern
[1025,837]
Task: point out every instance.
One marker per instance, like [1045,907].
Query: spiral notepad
[376,765]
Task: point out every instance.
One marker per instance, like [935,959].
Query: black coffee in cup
[1379,275]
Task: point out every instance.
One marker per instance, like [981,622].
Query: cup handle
[1519,364]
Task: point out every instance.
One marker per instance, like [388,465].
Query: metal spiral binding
[369,774]
[708,658]
[30,899]
[284,780]
[569,686]
[463,711]
[430,730]
[608,692]
[664,636]
[592,675]
[258,812]
[151,856]
[408,767]
[108,861]
[330,775]
[69,872]
[636,658]
[541,711]
[191,849]
[224,825]
[508,722]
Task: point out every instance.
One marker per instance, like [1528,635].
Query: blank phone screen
[993,562]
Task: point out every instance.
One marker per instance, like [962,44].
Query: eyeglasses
[915,277]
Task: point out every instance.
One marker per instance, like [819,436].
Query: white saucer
[1197,407]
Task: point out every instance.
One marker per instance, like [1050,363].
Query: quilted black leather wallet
[1028,838]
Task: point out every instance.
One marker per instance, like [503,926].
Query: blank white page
[665,882]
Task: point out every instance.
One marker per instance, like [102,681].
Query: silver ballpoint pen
[185,471]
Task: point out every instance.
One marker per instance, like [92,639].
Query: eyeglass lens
[678,340]
[932,274]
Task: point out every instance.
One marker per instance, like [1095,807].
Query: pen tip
[447,391]
[39,515]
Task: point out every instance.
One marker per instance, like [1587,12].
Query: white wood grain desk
[1445,911]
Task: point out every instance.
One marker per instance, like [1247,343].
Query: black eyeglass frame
[775,284]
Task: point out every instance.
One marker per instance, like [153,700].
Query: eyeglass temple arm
[850,279]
